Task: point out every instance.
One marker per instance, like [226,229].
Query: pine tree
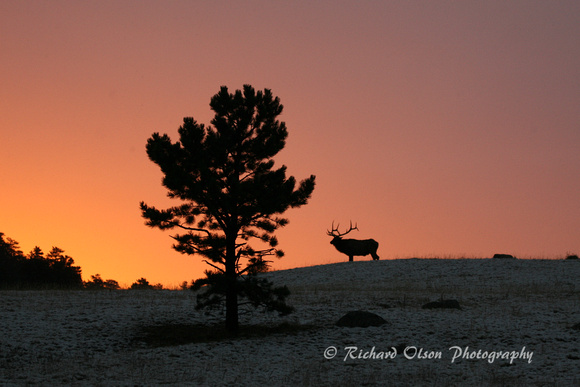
[230,192]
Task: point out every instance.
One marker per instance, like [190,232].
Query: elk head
[337,236]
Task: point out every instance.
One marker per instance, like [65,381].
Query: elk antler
[336,233]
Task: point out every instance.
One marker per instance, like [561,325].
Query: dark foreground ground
[518,325]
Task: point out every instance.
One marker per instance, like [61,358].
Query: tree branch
[214,266]
[194,229]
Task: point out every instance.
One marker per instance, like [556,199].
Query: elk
[352,247]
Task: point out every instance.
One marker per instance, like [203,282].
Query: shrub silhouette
[142,283]
[97,283]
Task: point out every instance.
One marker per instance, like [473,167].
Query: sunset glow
[443,129]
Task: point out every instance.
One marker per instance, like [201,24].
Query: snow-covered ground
[509,308]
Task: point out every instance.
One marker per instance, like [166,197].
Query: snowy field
[527,310]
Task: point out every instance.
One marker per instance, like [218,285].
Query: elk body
[352,247]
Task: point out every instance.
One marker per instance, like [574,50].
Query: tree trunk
[231,232]
[232,323]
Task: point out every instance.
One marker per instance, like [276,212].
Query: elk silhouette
[352,247]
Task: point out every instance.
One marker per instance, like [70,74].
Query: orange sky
[442,128]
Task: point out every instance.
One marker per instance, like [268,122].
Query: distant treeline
[36,270]
[54,270]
